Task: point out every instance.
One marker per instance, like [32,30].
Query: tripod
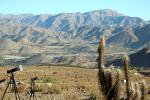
[12,83]
[32,89]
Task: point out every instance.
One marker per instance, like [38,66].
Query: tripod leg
[14,87]
[5,91]
[18,96]
[15,94]
[32,91]
[27,96]
[35,97]
[16,90]
[30,96]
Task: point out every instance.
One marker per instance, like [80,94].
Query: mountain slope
[138,59]
[8,47]
[73,33]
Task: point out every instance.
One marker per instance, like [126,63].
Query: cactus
[126,71]
[101,53]
[111,91]
[105,76]
[133,93]
[117,86]
[133,89]
[143,90]
[108,85]
[102,79]
[101,59]
[137,92]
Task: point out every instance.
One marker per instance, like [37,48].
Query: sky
[134,8]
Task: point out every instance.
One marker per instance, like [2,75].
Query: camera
[18,68]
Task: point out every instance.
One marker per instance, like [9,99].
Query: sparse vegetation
[68,85]
[49,80]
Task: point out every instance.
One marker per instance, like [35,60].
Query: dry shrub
[46,88]
[53,90]
[22,88]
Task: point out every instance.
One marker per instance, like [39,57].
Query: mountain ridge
[64,36]
[87,26]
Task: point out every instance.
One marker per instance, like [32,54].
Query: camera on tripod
[18,68]
[12,81]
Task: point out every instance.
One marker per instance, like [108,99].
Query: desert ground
[61,83]
[67,83]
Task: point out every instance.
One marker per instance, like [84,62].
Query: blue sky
[135,8]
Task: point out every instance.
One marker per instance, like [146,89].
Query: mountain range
[89,26]
[71,33]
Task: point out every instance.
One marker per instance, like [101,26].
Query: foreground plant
[110,91]
[126,72]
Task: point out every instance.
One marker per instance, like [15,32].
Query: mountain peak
[105,12]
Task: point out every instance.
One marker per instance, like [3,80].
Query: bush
[49,80]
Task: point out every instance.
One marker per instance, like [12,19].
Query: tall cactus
[137,92]
[102,79]
[126,71]
[105,77]
[101,53]
[143,90]
[117,86]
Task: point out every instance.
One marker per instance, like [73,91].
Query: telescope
[18,68]
[32,89]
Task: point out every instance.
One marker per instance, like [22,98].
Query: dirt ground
[60,83]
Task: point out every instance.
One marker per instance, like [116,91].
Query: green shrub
[49,80]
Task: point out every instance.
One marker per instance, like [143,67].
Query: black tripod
[12,83]
[32,89]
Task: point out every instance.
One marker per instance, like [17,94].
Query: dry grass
[70,83]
